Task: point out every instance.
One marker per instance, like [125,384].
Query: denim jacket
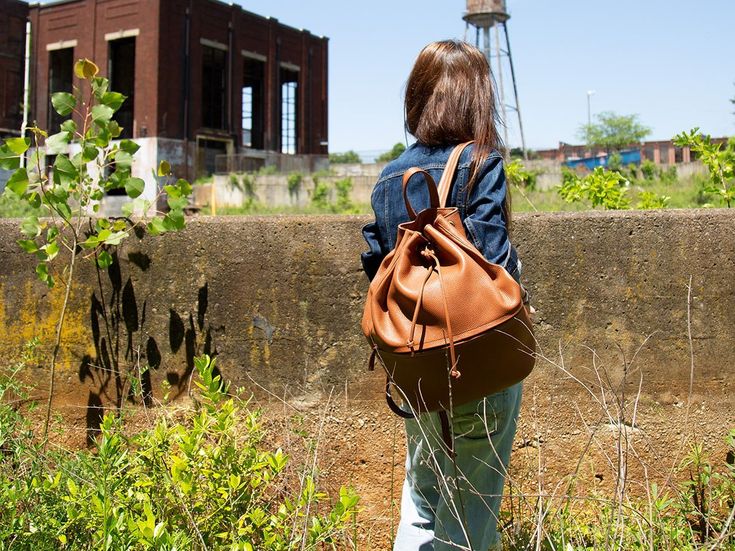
[481,211]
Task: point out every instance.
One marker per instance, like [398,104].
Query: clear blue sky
[670,62]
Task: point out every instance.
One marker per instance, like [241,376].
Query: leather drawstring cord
[428,253]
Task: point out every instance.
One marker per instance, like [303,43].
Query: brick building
[203,79]
[661,152]
[13,15]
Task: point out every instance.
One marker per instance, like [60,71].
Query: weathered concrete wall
[279,300]
[273,190]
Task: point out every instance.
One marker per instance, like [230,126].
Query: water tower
[486,15]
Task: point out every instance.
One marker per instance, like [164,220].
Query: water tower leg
[515,92]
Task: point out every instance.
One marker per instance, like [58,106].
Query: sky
[670,62]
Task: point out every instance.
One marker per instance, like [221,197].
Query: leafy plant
[344,188]
[720,162]
[320,193]
[600,187]
[393,153]
[648,169]
[89,162]
[518,175]
[202,482]
[294,183]
[649,200]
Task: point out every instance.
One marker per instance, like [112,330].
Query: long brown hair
[450,99]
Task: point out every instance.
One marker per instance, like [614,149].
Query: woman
[452,503]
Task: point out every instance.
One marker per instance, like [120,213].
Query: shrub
[343,158]
[518,175]
[201,483]
[320,194]
[649,200]
[601,187]
[294,183]
[393,153]
[344,188]
[720,162]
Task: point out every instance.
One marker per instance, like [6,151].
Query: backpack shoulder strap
[445,184]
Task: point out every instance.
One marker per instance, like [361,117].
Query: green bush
[347,157]
[344,189]
[601,187]
[294,183]
[204,482]
[320,194]
[393,153]
[518,175]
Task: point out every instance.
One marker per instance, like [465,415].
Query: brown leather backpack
[448,326]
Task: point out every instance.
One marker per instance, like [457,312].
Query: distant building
[13,16]
[204,79]
[662,152]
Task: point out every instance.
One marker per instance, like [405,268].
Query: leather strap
[430,184]
[392,404]
[445,184]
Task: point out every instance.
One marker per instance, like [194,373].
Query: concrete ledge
[279,299]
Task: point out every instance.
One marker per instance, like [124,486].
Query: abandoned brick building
[13,16]
[207,82]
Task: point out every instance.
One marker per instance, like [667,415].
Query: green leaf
[89,153]
[64,170]
[34,199]
[56,143]
[86,69]
[63,102]
[114,129]
[91,242]
[174,220]
[99,86]
[8,159]
[129,146]
[69,126]
[30,226]
[28,245]
[184,187]
[18,145]
[123,160]
[51,249]
[156,226]
[43,275]
[164,168]
[102,139]
[172,191]
[18,182]
[134,187]
[104,260]
[113,100]
[177,203]
[115,237]
[101,113]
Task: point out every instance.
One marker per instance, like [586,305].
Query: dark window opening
[214,88]
[253,105]
[678,155]
[61,72]
[209,150]
[289,111]
[122,79]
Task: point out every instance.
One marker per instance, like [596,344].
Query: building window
[122,79]
[289,111]
[214,88]
[678,155]
[60,74]
[252,104]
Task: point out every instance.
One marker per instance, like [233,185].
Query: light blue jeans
[453,503]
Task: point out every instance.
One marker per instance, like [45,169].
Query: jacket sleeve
[485,221]
[372,259]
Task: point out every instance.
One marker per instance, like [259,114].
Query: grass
[683,193]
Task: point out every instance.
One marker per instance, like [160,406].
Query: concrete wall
[272,190]
[279,300]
